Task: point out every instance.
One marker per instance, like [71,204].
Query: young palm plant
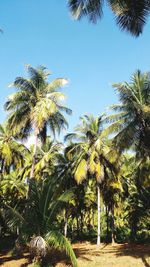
[46,203]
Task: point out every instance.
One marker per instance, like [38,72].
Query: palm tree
[12,185]
[132,120]
[130,15]
[46,159]
[63,170]
[46,203]
[90,154]
[112,190]
[138,201]
[12,153]
[35,106]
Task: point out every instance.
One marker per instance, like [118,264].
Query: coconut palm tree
[12,153]
[90,154]
[112,190]
[130,15]
[138,201]
[131,123]
[12,185]
[46,159]
[36,106]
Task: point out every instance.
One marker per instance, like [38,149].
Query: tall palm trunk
[81,224]
[107,223]
[2,166]
[93,221]
[66,223]
[89,220]
[78,228]
[99,215]
[34,156]
[33,164]
[113,226]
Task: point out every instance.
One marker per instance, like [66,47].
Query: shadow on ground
[87,251]
[5,257]
[90,255]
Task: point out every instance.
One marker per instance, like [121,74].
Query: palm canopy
[37,104]
[46,159]
[90,153]
[130,15]
[132,120]
[12,153]
[12,185]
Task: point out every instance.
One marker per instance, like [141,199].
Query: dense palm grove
[94,185]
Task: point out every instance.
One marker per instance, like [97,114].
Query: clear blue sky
[92,56]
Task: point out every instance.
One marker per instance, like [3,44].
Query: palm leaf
[81,171]
[57,205]
[58,241]
[131,15]
[80,8]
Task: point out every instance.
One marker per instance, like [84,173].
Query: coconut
[38,246]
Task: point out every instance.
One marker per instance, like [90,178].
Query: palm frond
[57,240]
[16,216]
[58,204]
[57,83]
[81,171]
[70,137]
[131,15]
[89,8]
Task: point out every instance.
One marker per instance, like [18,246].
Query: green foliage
[130,15]
[12,152]
[132,123]
[95,154]
[37,104]
[45,204]
[59,241]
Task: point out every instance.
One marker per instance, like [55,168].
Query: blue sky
[92,57]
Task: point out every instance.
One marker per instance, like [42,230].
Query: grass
[89,255]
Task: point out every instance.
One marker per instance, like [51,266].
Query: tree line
[94,185]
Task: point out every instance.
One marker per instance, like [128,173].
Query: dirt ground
[118,255]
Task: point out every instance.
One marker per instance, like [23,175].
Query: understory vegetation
[94,186]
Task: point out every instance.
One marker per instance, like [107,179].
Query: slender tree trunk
[93,222]
[34,156]
[99,214]
[2,166]
[17,231]
[133,231]
[33,165]
[78,230]
[81,225]
[113,227]
[107,223]
[66,224]
[89,220]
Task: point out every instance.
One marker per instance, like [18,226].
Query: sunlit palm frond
[81,171]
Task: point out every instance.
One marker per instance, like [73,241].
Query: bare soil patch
[89,255]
